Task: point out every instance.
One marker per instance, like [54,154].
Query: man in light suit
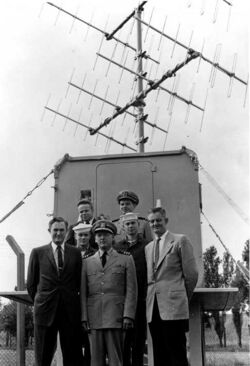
[108,297]
[172,276]
[54,283]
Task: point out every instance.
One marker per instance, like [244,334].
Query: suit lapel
[167,245]
[66,257]
[150,254]
[50,254]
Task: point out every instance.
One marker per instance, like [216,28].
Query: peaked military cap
[104,225]
[128,195]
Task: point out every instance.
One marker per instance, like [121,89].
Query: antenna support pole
[141,103]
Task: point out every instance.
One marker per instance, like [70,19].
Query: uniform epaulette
[123,252]
[84,256]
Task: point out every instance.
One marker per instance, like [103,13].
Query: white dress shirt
[54,248]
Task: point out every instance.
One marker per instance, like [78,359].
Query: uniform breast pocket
[118,271]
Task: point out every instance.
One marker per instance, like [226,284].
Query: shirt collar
[107,251]
[54,246]
[163,236]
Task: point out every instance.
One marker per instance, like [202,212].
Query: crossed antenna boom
[214,64]
[138,99]
[189,102]
[117,107]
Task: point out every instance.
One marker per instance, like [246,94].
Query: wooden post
[20,307]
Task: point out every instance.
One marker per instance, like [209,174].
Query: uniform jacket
[137,250]
[144,229]
[109,293]
[48,290]
[174,278]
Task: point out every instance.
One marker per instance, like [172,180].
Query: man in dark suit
[53,283]
[86,215]
[108,297]
[172,276]
[134,243]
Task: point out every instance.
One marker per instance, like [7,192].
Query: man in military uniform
[134,243]
[86,216]
[108,297]
[82,234]
[82,238]
[128,201]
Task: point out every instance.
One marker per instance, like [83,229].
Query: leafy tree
[228,269]
[212,261]
[242,296]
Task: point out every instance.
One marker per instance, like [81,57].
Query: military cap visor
[128,195]
[104,225]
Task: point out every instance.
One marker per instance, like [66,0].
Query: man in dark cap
[86,216]
[135,244]
[108,297]
[128,201]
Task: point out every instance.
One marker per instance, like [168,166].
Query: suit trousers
[70,340]
[135,339]
[106,343]
[169,340]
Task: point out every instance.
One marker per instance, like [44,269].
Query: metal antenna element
[67,117]
[216,11]
[83,125]
[150,19]
[245,97]
[71,77]
[117,107]
[54,117]
[203,114]
[151,81]
[220,68]
[84,79]
[42,116]
[231,79]
[163,29]
[178,29]
[98,29]
[215,62]
[138,100]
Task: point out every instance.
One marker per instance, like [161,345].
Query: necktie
[60,258]
[104,258]
[157,251]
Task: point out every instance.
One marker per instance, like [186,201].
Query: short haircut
[161,210]
[85,201]
[57,219]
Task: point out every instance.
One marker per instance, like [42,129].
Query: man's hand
[127,323]
[85,326]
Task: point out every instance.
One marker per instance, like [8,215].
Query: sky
[42,50]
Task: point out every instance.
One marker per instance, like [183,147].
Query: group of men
[100,282]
